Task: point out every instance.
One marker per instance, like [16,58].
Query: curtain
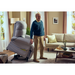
[6,28]
[29,18]
[46,23]
[5,35]
[64,22]
[71,22]
[0,35]
[9,26]
[1,44]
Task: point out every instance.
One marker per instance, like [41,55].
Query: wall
[22,15]
[55,28]
[10,14]
[19,15]
[15,14]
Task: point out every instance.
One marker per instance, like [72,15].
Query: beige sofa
[60,37]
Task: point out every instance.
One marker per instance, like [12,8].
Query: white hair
[37,14]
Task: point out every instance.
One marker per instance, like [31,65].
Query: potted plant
[28,31]
[64,45]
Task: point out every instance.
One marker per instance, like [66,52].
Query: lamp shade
[13,20]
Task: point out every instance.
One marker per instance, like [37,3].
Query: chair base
[17,57]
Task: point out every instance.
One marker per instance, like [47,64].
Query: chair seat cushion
[22,43]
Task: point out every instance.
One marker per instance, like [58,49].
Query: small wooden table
[3,57]
[58,51]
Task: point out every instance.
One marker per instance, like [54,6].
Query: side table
[3,58]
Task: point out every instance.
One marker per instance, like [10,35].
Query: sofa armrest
[27,36]
[46,41]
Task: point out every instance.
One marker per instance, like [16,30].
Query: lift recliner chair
[19,44]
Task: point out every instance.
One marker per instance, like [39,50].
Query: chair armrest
[27,36]
[14,38]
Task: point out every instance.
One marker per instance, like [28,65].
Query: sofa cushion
[70,44]
[59,36]
[51,38]
[54,44]
[69,37]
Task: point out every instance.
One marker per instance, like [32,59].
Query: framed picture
[55,20]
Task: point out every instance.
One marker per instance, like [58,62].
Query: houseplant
[66,54]
[28,31]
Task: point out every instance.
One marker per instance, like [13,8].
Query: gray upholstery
[27,36]
[20,29]
[19,42]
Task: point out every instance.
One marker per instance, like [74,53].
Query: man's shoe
[43,58]
[35,60]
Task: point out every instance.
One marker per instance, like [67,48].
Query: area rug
[50,59]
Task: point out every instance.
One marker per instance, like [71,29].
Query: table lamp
[13,20]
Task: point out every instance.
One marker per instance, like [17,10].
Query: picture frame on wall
[55,20]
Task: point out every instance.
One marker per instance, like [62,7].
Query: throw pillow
[51,38]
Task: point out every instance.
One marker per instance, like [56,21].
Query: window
[71,22]
[2,26]
[4,31]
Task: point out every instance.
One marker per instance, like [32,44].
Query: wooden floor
[8,52]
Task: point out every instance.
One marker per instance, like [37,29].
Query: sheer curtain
[6,28]
[1,44]
[0,35]
[71,22]
[5,42]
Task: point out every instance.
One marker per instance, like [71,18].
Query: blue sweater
[37,29]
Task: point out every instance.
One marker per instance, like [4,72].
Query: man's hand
[44,38]
[31,41]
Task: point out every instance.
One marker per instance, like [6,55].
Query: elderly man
[37,30]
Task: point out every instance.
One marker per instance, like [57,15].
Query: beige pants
[38,39]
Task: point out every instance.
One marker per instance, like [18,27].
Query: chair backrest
[20,29]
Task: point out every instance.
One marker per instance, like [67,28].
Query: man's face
[38,17]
